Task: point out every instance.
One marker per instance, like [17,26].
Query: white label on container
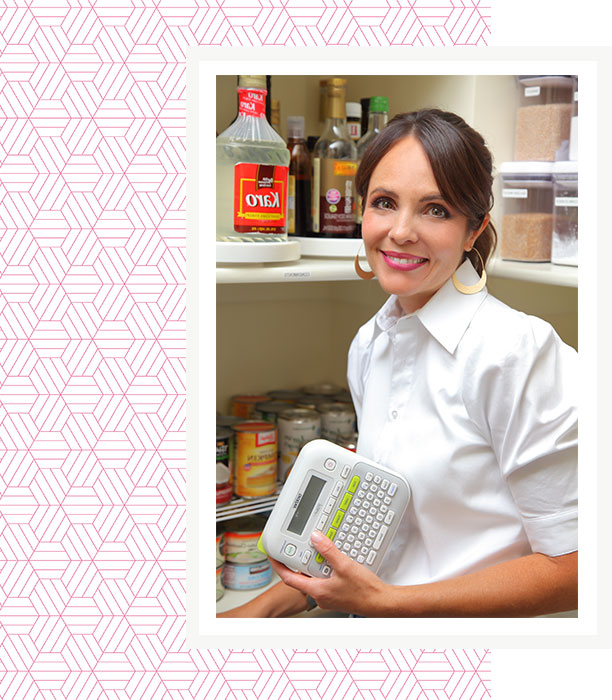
[296,275]
[576,96]
[514,193]
[566,201]
[532,91]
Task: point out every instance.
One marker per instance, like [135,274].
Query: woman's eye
[438,211]
[382,203]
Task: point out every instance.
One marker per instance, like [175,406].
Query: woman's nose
[404,228]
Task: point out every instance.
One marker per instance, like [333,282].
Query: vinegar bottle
[252,171]
[334,168]
[300,176]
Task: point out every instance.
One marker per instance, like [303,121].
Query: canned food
[290,395]
[243,405]
[241,539]
[255,459]
[225,490]
[269,410]
[337,420]
[349,443]
[220,548]
[224,439]
[220,587]
[322,389]
[311,401]
[343,397]
[296,427]
[244,577]
[228,421]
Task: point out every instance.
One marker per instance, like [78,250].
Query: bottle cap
[379,104]
[252,81]
[295,127]
[353,109]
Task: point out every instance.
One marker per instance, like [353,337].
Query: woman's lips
[401,261]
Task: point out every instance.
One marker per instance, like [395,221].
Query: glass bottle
[300,175]
[378,116]
[252,171]
[334,168]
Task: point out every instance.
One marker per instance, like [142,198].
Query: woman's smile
[401,261]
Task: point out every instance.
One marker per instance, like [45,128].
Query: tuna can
[220,587]
[337,420]
[343,397]
[243,405]
[289,395]
[270,410]
[296,427]
[241,541]
[228,421]
[322,389]
[255,459]
[349,443]
[244,577]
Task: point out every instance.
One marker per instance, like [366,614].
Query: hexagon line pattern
[92,351]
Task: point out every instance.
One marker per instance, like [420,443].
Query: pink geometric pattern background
[92,351]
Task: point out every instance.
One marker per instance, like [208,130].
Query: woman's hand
[351,588]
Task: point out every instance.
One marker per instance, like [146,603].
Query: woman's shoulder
[501,331]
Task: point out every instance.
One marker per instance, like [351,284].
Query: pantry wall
[286,334]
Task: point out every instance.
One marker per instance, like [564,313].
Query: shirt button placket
[404,349]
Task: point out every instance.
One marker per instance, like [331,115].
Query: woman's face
[414,240]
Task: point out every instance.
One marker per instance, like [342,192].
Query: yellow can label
[256,462]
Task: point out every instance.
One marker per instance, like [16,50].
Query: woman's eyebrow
[430,196]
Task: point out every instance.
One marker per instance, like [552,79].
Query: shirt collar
[446,316]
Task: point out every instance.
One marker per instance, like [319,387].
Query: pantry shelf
[239,507]
[541,273]
[339,269]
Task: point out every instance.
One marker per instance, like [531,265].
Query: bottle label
[354,129]
[251,102]
[260,198]
[334,193]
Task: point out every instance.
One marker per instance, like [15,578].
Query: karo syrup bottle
[334,168]
[252,171]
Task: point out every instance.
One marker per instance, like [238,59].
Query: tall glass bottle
[378,116]
[252,171]
[300,175]
[334,168]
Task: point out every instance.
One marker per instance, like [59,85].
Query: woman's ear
[469,244]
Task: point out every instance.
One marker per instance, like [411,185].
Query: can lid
[379,104]
[251,426]
[353,109]
[252,81]
[295,127]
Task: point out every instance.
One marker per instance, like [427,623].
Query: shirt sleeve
[526,405]
[354,375]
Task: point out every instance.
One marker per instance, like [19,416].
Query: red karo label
[260,198]
[252,103]
[268,438]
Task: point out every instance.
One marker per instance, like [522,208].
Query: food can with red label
[296,427]
[337,420]
[243,405]
[241,538]
[255,459]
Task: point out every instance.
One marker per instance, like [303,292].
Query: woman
[473,402]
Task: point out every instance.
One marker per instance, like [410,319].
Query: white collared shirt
[476,405]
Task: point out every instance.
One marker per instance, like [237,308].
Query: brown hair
[460,160]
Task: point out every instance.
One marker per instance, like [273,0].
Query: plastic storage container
[573,148]
[543,116]
[527,222]
[565,213]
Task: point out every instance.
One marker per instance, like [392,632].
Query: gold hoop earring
[364,274]
[472,288]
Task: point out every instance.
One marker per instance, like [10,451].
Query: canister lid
[379,104]
[252,81]
[569,167]
[527,168]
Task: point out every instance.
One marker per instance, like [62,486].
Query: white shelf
[542,273]
[337,269]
